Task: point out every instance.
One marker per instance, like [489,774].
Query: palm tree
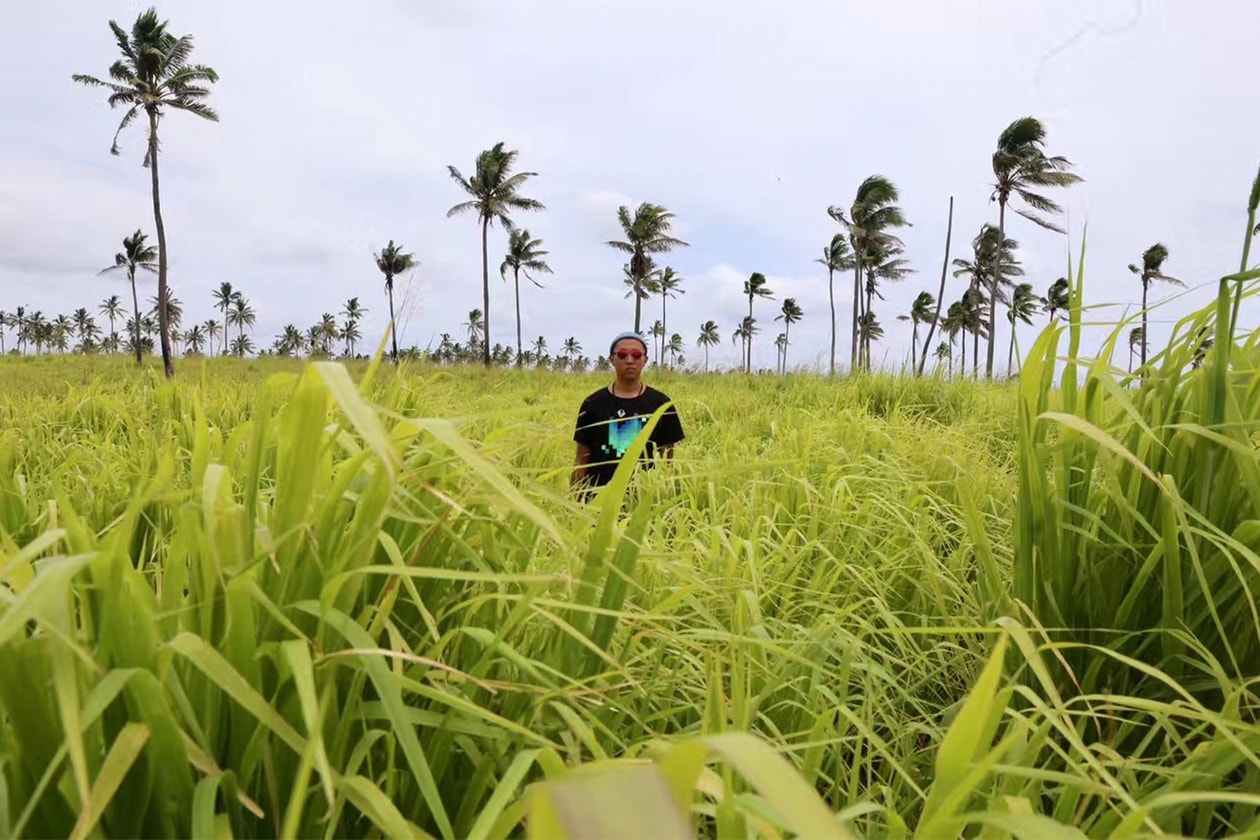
[658,338]
[476,325]
[524,254]
[392,261]
[354,312]
[674,347]
[495,194]
[837,256]
[744,332]
[1020,167]
[647,233]
[223,297]
[4,322]
[1137,341]
[63,328]
[870,218]
[195,338]
[972,312]
[780,344]
[111,308]
[174,310]
[136,255]
[83,323]
[921,312]
[869,331]
[242,316]
[1152,269]
[708,338]
[212,329]
[1058,297]
[946,352]
[572,349]
[1023,306]
[952,324]
[789,314]
[153,75]
[754,287]
[242,345]
[669,284]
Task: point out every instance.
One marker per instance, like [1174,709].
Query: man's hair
[623,336]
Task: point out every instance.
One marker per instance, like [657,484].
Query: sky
[746,119]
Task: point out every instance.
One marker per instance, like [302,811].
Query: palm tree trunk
[638,300]
[664,331]
[857,296]
[223,346]
[168,364]
[975,354]
[516,281]
[485,290]
[748,338]
[997,283]
[914,342]
[1145,286]
[1010,353]
[135,305]
[787,331]
[831,299]
[962,363]
[940,296]
[393,328]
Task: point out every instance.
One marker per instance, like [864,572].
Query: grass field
[279,599]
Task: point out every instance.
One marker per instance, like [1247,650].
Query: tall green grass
[312,601]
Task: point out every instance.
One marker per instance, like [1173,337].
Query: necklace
[642,388]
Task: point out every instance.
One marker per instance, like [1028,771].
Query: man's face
[628,358]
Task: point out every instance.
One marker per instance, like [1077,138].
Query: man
[610,419]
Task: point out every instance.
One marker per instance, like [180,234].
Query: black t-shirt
[608,424]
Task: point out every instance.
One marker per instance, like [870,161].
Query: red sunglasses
[630,354]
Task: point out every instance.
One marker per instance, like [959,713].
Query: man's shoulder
[593,400]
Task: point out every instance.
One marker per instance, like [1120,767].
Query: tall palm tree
[83,323]
[572,349]
[754,287]
[1137,342]
[869,331]
[1023,306]
[212,329]
[921,312]
[780,344]
[63,328]
[944,351]
[111,308]
[242,345]
[972,313]
[154,75]
[540,346]
[674,347]
[745,332]
[241,315]
[392,262]
[195,338]
[354,311]
[708,338]
[789,314]
[1058,297]
[495,192]
[869,222]
[658,338]
[647,233]
[1021,167]
[136,255]
[174,310]
[1152,269]
[476,326]
[524,254]
[885,264]
[669,284]
[223,297]
[837,256]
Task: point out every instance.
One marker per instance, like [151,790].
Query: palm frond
[1033,217]
[463,207]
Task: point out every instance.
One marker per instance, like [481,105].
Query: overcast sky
[747,119]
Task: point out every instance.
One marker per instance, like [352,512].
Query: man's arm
[579,470]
